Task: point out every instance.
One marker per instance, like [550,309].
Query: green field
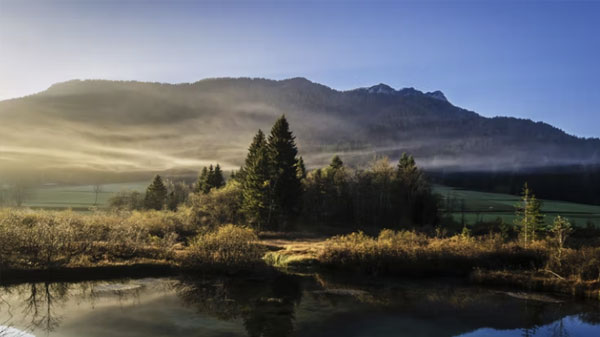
[483,206]
[77,197]
[478,206]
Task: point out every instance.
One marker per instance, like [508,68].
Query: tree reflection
[39,305]
[41,302]
[266,306]
[559,329]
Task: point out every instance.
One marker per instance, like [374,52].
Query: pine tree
[529,216]
[256,188]
[172,201]
[412,191]
[286,187]
[240,174]
[300,168]
[217,180]
[407,168]
[336,163]
[156,194]
[202,184]
[210,178]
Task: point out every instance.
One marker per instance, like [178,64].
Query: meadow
[77,197]
[485,206]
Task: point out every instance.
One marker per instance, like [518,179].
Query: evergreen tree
[300,168]
[286,187]
[240,174]
[256,188]
[413,192]
[172,201]
[336,163]
[156,194]
[211,177]
[217,180]
[202,185]
[408,172]
[529,216]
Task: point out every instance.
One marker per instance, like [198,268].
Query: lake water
[285,305]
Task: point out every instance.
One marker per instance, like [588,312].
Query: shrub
[229,245]
[127,200]
[163,223]
[219,206]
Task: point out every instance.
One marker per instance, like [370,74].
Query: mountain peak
[437,95]
[384,89]
[381,88]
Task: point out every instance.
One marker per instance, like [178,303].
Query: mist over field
[81,131]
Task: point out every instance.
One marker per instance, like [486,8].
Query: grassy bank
[51,244]
[41,241]
[541,265]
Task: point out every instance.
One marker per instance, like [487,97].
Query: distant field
[477,205]
[489,206]
[77,197]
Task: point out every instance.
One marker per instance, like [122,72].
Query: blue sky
[530,59]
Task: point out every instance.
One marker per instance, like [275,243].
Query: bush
[163,224]
[219,206]
[127,200]
[229,245]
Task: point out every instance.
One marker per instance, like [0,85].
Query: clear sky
[531,59]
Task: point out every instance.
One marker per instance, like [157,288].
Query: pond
[286,305]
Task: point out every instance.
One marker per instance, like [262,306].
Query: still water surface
[285,305]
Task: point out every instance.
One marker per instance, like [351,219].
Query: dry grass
[40,240]
[413,254]
[45,239]
[288,252]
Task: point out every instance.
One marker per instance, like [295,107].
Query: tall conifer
[156,194]
[217,180]
[300,168]
[202,184]
[256,188]
[285,183]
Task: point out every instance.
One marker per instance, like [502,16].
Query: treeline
[569,183]
[382,196]
[274,191]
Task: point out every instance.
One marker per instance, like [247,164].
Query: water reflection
[266,306]
[285,305]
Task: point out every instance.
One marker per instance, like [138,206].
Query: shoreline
[284,258]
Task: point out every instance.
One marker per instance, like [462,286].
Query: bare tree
[97,188]
[19,192]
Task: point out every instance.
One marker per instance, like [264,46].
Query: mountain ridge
[436,94]
[130,126]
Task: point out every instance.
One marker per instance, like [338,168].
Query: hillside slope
[78,127]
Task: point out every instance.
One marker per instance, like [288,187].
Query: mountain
[78,128]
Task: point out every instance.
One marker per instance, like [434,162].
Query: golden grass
[410,253]
[228,246]
[38,240]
